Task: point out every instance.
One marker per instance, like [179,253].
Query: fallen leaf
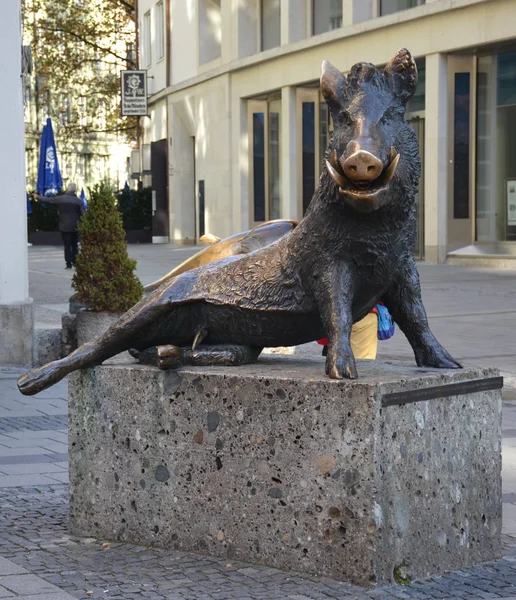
[106,545]
[229,565]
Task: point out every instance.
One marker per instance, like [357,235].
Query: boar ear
[332,82]
[401,71]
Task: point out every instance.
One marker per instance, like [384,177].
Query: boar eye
[391,113]
[346,118]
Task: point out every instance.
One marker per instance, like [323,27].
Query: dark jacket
[70,210]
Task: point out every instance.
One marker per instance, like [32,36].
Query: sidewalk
[470,310]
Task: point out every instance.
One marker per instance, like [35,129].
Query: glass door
[314,126]
[264,126]
[461,151]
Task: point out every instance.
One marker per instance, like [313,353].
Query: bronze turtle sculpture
[352,249]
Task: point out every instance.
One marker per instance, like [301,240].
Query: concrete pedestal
[17,326]
[393,476]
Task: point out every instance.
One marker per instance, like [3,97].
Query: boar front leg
[334,296]
[403,299]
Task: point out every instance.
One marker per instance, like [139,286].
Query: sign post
[134,93]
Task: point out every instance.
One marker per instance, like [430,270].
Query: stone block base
[17,327]
[393,476]
[47,346]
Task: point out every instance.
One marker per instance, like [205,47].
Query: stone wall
[393,476]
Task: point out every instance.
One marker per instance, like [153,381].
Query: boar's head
[373,154]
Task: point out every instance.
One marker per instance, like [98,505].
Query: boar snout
[362,166]
[362,177]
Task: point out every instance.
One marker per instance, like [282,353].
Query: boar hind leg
[172,357]
[403,299]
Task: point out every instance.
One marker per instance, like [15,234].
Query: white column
[16,322]
[436,158]
[289,154]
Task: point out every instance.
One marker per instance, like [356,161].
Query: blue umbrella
[49,175]
[83,199]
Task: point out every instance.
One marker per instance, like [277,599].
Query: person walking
[70,211]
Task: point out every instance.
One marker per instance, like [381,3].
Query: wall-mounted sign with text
[134,93]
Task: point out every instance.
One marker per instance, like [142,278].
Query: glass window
[210,30]
[387,7]
[496,148]
[308,154]
[461,146]
[270,24]
[274,159]
[160,31]
[146,40]
[327,15]
[259,166]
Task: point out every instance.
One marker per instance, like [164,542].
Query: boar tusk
[339,179]
[391,169]
[393,154]
[334,161]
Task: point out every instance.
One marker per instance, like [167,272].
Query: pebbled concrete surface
[274,463]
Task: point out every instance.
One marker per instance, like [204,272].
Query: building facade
[237,127]
[92,144]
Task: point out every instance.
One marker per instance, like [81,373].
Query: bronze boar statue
[352,249]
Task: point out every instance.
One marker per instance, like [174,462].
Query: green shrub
[104,277]
[135,206]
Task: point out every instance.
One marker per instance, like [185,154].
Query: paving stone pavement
[39,560]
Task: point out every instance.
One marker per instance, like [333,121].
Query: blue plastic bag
[385,323]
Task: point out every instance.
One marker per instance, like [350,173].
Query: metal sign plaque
[134,93]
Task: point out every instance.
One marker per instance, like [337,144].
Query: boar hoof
[337,367]
[438,358]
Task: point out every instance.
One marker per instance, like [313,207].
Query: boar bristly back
[372,156]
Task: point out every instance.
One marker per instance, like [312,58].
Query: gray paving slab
[59,595]
[7,481]
[32,469]
[28,584]
[7,567]
[33,458]
[4,451]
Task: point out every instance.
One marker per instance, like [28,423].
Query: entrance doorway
[264,126]
[159,171]
[314,126]
[461,150]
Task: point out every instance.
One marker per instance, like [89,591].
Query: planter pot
[91,325]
